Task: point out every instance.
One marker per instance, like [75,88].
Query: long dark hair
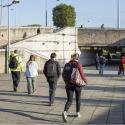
[32,58]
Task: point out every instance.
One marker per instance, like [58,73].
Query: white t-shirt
[31,69]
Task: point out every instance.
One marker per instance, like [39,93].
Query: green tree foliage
[64,15]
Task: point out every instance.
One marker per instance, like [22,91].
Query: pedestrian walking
[97,61]
[109,58]
[52,71]
[70,87]
[121,71]
[31,74]
[102,62]
[16,66]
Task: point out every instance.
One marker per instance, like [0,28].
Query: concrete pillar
[87,57]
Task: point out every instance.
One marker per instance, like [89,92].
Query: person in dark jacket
[71,88]
[102,62]
[97,61]
[52,71]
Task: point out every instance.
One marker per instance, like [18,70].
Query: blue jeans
[31,86]
[101,69]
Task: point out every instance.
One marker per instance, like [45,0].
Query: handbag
[76,78]
[124,66]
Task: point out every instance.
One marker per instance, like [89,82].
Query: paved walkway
[102,102]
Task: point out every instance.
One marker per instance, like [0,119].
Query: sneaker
[34,90]
[78,115]
[64,116]
[15,89]
[29,93]
[51,104]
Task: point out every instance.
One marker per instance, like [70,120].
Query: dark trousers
[52,88]
[16,79]
[70,93]
[97,65]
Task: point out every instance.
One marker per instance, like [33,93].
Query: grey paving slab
[102,102]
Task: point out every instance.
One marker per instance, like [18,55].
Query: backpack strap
[77,65]
[18,58]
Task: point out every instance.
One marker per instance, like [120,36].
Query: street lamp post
[8,46]
[46,13]
[59,1]
[63,50]
[1,13]
[75,39]
[14,15]
[118,16]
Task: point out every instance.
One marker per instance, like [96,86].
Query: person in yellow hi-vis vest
[16,66]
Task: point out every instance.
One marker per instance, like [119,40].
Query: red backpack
[76,77]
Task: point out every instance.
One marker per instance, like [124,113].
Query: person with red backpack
[52,71]
[122,65]
[70,87]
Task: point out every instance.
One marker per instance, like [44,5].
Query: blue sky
[90,13]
